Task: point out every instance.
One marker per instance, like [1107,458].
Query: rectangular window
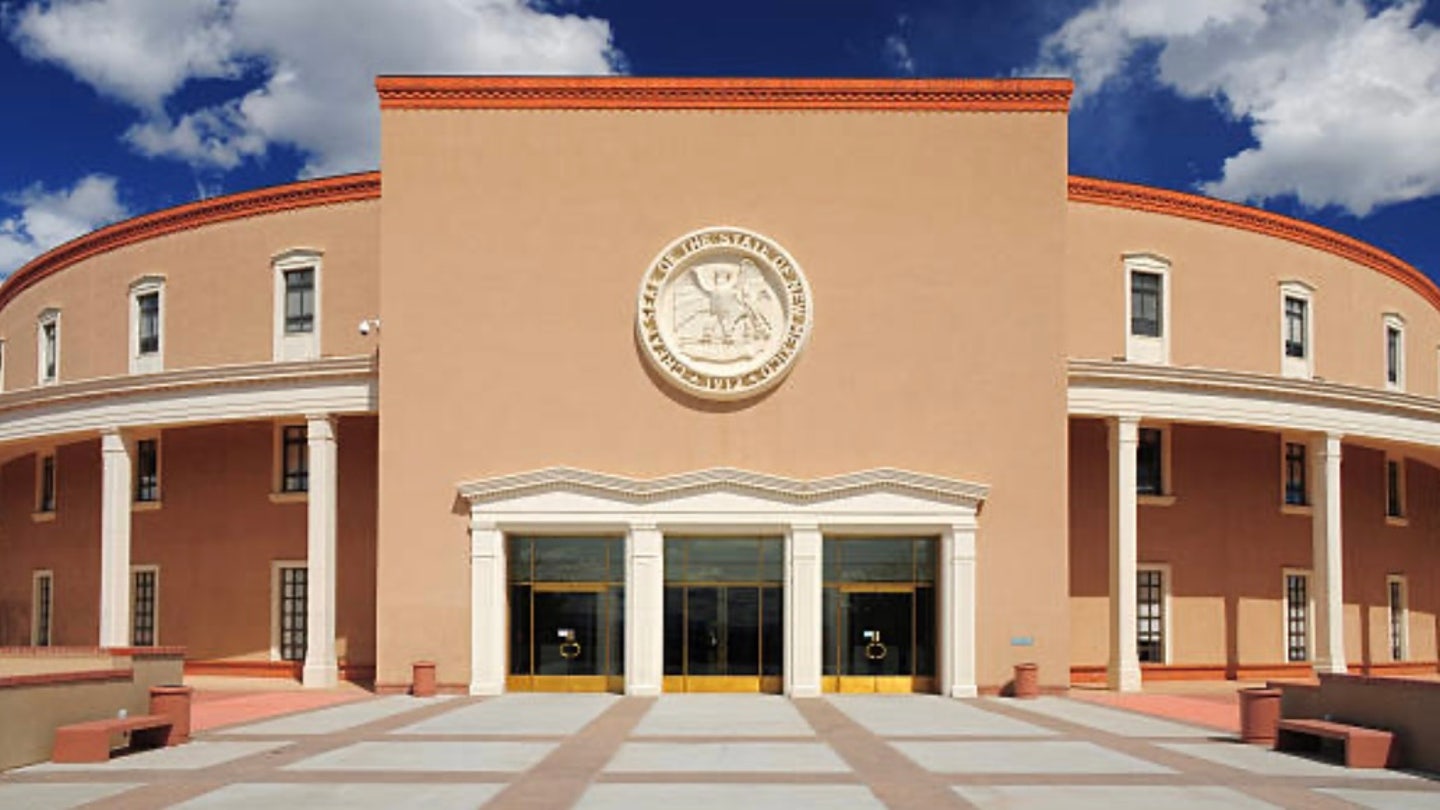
[42,609]
[291,612]
[1150,462]
[147,470]
[1297,490]
[1150,615]
[1296,316]
[1297,617]
[148,305]
[49,350]
[1146,304]
[144,584]
[1398,618]
[299,301]
[1394,351]
[1394,488]
[45,499]
[294,459]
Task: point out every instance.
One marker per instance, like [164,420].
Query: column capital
[642,526]
[113,440]
[319,427]
[803,526]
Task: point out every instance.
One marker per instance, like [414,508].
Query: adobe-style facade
[746,385]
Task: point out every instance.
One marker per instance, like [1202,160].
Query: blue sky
[1328,110]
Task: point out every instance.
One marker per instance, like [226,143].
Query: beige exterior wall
[1228,544]
[513,245]
[1225,299]
[219,293]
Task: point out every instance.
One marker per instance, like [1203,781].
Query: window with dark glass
[293,608]
[294,459]
[1397,619]
[1150,615]
[47,484]
[49,338]
[147,470]
[44,601]
[142,617]
[1394,489]
[1145,304]
[1297,617]
[1392,355]
[1296,315]
[299,301]
[1297,492]
[148,323]
[1149,463]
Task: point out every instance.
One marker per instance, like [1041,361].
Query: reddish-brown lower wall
[214,539]
[1227,543]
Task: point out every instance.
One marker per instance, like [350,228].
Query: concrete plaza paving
[604,752]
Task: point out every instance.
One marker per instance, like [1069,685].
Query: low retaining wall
[1408,707]
[42,688]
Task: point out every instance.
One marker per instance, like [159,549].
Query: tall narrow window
[49,346]
[1394,487]
[45,490]
[144,587]
[1297,489]
[294,459]
[1297,617]
[1150,615]
[1146,313]
[2,365]
[147,470]
[299,301]
[1150,462]
[1394,352]
[42,609]
[1147,308]
[147,324]
[291,612]
[1296,315]
[1395,584]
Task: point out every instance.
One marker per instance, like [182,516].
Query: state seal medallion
[723,313]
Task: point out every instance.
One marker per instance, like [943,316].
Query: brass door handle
[876,651]
[570,649]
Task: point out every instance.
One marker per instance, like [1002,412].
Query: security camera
[365,327]
[369,325]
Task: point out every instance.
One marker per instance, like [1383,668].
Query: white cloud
[48,218]
[1343,103]
[303,69]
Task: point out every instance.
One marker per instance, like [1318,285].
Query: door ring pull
[570,649]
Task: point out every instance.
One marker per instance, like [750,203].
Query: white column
[116,461]
[1326,547]
[320,670]
[804,618]
[644,610]
[957,610]
[1124,669]
[487,609]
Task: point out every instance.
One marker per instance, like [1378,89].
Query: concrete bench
[1364,747]
[90,742]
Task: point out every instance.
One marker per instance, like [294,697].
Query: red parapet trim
[57,678]
[643,93]
[1245,218]
[305,194]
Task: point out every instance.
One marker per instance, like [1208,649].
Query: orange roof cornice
[636,93]
[1255,220]
[325,191]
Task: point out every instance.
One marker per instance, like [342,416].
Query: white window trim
[1309,614]
[1402,519]
[1142,348]
[155,569]
[305,346]
[49,316]
[155,361]
[1404,616]
[35,577]
[1165,603]
[1301,367]
[1306,508]
[1166,497]
[1392,320]
[3,365]
[275,566]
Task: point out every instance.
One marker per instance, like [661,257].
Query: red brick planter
[422,679]
[1259,715]
[1027,681]
[173,702]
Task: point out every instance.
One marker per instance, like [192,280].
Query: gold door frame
[568,683]
[873,684]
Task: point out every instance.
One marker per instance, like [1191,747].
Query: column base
[798,691]
[962,690]
[642,690]
[320,676]
[1331,667]
[1123,678]
[483,689]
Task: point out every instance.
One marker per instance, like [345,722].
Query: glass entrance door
[879,633]
[566,614]
[723,621]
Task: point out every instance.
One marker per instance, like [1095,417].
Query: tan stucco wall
[218,294]
[213,538]
[1225,298]
[512,247]
[1228,543]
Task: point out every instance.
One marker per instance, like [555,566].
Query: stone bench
[90,742]
[1364,747]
